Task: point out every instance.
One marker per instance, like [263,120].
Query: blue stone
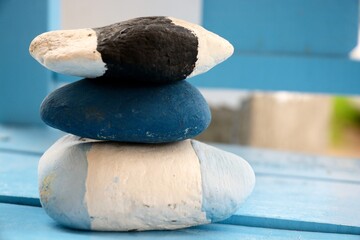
[107,110]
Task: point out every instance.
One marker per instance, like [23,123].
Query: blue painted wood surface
[297,45]
[273,72]
[285,26]
[290,165]
[293,191]
[18,178]
[35,224]
[302,204]
[23,83]
[30,139]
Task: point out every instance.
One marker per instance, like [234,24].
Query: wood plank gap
[27,201]
[17,151]
[306,178]
[286,224]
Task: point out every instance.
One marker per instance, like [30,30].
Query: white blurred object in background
[96,13]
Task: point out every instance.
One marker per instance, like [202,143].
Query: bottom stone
[112,186]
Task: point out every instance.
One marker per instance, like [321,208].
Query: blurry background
[291,83]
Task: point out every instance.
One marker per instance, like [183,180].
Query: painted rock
[111,186]
[108,110]
[157,49]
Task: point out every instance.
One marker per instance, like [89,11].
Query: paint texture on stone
[62,174]
[111,186]
[106,110]
[224,189]
[71,52]
[149,48]
[146,49]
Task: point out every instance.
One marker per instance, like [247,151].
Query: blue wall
[23,82]
[295,45]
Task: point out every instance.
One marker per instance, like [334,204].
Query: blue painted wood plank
[23,83]
[295,165]
[301,26]
[302,204]
[24,222]
[18,178]
[298,73]
[30,139]
[19,200]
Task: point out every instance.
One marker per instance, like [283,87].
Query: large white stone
[109,186]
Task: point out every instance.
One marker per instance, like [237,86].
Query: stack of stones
[128,163]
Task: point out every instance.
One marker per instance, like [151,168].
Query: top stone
[151,49]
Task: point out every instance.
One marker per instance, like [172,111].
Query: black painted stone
[152,49]
[108,110]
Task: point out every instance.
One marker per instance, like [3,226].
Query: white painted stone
[74,52]
[147,187]
[112,186]
[62,175]
[71,52]
[228,181]
[212,48]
